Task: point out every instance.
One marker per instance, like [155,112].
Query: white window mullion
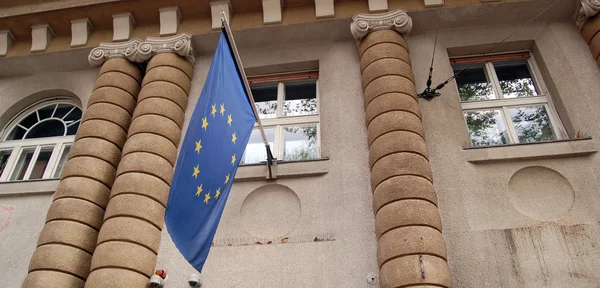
[491,73]
[513,137]
[10,163]
[318,140]
[53,161]
[32,162]
[277,143]
[280,97]
[318,100]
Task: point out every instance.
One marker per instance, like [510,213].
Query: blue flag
[211,151]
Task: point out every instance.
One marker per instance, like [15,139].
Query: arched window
[36,142]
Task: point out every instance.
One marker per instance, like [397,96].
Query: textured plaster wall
[516,233]
[22,216]
[336,206]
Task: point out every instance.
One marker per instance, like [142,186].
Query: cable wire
[437,32]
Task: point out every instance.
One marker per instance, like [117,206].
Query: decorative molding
[180,44]
[41,36]
[215,11]
[589,9]
[363,24]
[272,11]
[378,5]
[169,20]
[324,8]
[6,40]
[80,31]
[106,51]
[122,26]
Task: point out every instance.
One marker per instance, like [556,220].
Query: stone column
[410,247]
[129,240]
[68,239]
[589,25]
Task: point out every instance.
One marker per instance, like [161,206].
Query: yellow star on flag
[217,193]
[196,171]
[229,120]
[233,138]
[233,159]
[227,179]
[199,191]
[222,110]
[214,110]
[206,197]
[198,146]
[204,123]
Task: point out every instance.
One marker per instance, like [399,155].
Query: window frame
[280,121]
[19,146]
[504,104]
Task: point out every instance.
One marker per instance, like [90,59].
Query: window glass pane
[515,79]
[300,143]
[71,130]
[28,121]
[300,98]
[48,128]
[473,84]
[41,162]
[16,134]
[486,127]
[73,116]
[265,98]
[532,123]
[62,161]
[3,160]
[22,164]
[255,150]
[62,110]
[46,112]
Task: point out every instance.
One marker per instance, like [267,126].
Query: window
[288,107]
[37,142]
[504,100]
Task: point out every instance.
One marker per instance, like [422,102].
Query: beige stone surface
[383,51]
[403,187]
[160,106]
[120,80]
[406,271]
[109,112]
[143,184]
[395,142]
[394,121]
[91,167]
[590,29]
[392,102]
[132,230]
[168,74]
[102,129]
[116,278]
[51,279]
[123,66]
[137,206]
[98,148]
[410,212]
[156,124]
[76,210]
[164,90]
[123,255]
[69,233]
[61,258]
[84,188]
[378,37]
[115,96]
[410,240]
[389,84]
[151,143]
[147,163]
[384,67]
[595,46]
[401,163]
[171,60]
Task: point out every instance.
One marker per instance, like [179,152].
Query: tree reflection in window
[532,123]
[486,127]
[300,143]
[473,84]
[515,79]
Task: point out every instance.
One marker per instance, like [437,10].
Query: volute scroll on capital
[397,20]
[588,9]
[139,51]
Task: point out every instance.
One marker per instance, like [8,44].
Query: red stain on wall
[8,210]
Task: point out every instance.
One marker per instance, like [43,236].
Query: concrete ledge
[45,186]
[294,169]
[541,150]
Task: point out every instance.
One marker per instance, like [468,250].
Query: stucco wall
[335,207]
[497,220]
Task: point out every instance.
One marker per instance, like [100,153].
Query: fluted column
[588,22]
[68,239]
[129,239]
[410,247]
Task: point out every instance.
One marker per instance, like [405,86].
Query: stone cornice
[136,50]
[589,8]
[106,51]
[397,20]
[179,44]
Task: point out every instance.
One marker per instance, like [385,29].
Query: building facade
[490,184]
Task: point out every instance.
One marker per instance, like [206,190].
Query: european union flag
[210,154]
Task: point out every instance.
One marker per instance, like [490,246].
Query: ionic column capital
[108,50]
[397,20]
[136,50]
[179,44]
[588,9]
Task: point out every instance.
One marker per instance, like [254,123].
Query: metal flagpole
[236,55]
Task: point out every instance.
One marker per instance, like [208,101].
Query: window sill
[542,150]
[41,186]
[292,169]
